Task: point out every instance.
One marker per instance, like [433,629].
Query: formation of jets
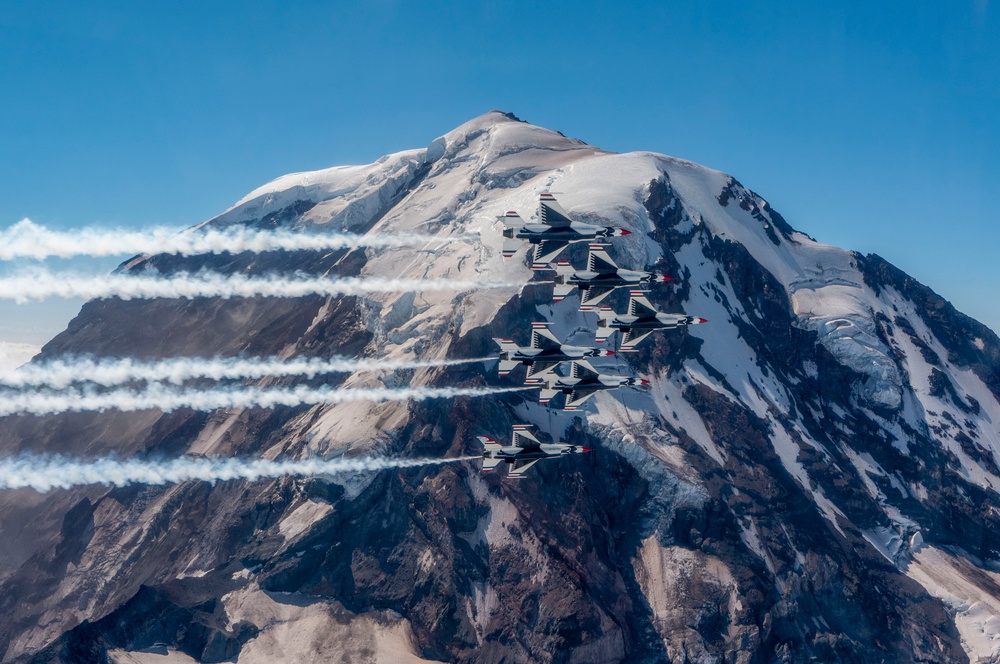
[553,231]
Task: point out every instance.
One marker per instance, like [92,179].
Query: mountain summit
[813,475]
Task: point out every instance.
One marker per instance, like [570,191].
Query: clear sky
[869,125]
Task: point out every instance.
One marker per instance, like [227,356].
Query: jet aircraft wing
[551,213]
[542,337]
[598,259]
[639,306]
[519,467]
[540,368]
[591,296]
[633,337]
[577,397]
[546,251]
[523,438]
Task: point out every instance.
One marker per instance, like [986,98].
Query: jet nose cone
[625,232]
[699,321]
[662,278]
[586,449]
[643,381]
[606,353]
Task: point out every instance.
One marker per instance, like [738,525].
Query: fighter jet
[544,354]
[600,278]
[551,234]
[640,321]
[523,452]
[583,382]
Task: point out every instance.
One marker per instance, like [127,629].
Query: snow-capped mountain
[812,476]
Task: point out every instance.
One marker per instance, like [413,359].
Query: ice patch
[970,592]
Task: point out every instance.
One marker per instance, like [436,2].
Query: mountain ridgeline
[811,476]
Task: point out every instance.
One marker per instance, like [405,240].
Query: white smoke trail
[42,284]
[157,396]
[26,239]
[61,373]
[44,473]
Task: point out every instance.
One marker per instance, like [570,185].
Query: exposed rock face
[812,476]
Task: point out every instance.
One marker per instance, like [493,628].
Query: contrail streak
[42,284]
[157,396]
[26,239]
[44,473]
[63,372]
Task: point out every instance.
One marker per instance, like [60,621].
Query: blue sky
[872,126]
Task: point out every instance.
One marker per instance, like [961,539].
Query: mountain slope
[812,474]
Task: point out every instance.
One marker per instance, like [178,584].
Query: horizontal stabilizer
[489,444]
[603,330]
[506,345]
[512,220]
[562,268]
[605,315]
[561,291]
[510,247]
[506,366]
[490,464]
[546,395]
